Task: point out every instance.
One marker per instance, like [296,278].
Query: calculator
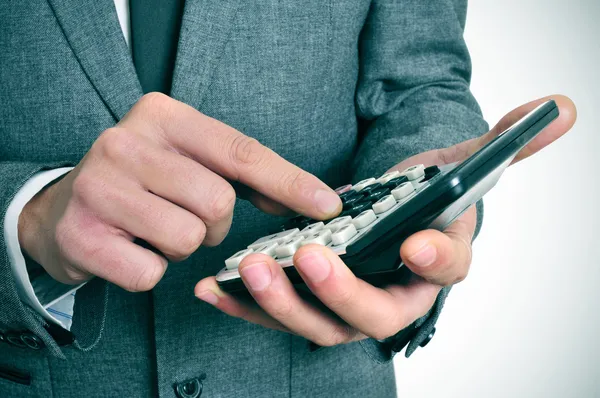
[379,213]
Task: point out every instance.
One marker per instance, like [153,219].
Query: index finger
[237,157]
[560,126]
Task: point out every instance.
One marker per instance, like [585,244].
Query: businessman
[141,143]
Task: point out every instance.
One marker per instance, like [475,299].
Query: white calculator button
[278,237]
[234,261]
[337,223]
[323,237]
[268,249]
[313,228]
[289,247]
[344,234]
[364,183]
[414,172]
[364,219]
[403,190]
[388,176]
[384,204]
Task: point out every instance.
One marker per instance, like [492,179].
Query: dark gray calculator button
[367,190]
[391,184]
[357,209]
[430,172]
[348,194]
[378,194]
[351,201]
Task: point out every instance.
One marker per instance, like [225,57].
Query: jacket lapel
[205,29]
[92,30]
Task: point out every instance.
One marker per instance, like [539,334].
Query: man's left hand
[354,309]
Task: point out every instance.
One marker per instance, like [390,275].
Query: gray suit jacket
[343,88]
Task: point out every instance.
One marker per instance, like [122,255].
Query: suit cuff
[420,333]
[51,299]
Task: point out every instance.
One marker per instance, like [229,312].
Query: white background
[526,322]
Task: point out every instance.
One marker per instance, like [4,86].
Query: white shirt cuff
[57,309]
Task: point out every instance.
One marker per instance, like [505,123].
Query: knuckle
[448,155]
[189,242]
[73,275]
[117,144]
[460,276]
[66,237]
[338,334]
[154,101]
[147,278]
[223,203]
[382,333]
[246,151]
[461,269]
[283,310]
[341,299]
[391,323]
[83,186]
[296,183]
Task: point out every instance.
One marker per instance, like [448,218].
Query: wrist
[31,221]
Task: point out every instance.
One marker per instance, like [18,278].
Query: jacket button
[428,339]
[32,341]
[23,340]
[190,388]
[15,340]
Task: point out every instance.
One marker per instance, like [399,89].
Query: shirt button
[190,388]
[428,339]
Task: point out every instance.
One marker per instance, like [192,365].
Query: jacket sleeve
[413,96]
[19,323]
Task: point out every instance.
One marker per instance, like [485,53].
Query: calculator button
[388,176]
[313,228]
[347,203]
[384,204]
[268,249]
[296,222]
[414,172]
[364,183]
[343,235]
[366,191]
[343,188]
[338,223]
[278,238]
[323,237]
[289,247]
[377,194]
[402,191]
[364,219]
[431,172]
[348,194]
[234,261]
[356,209]
[393,183]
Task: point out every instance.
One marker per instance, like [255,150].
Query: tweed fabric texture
[342,88]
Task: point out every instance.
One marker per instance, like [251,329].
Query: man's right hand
[160,175]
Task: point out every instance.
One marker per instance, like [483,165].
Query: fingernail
[257,276]
[424,257]
[314,265]
[328,202]
[209,297]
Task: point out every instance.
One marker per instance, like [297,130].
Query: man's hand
[355,309]
[160,175]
